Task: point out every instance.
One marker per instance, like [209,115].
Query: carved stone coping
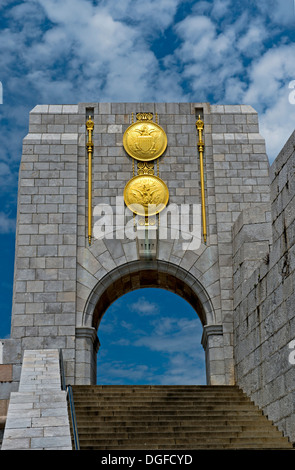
[210,330]
[90,334]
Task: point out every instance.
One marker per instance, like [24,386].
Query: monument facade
[118,196]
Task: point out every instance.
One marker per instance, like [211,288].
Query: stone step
[161,400]
[131,388]
[235,423]
[143,415]
[167,415]
[165,424]
[160,395]
[158,408]
[168,422]
[165,400]
[158,388]
[185,447]
[177,434]
[141,389]
[171,417]
[264,442]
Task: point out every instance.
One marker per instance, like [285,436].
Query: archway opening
[145,274]
[150,336]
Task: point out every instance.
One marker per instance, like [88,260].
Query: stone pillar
[87,346]
[212,342]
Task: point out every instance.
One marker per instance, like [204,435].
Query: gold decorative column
[200,127]
[89,146]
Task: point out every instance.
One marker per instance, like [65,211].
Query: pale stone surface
[37,416]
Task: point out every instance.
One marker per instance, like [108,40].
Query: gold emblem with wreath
[145,140]
[146,195]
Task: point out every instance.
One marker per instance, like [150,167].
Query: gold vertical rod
[89,145]
[200,127]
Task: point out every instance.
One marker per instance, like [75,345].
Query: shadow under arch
[140,274]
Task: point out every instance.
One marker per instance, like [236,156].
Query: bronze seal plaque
[146,195]
[145,140]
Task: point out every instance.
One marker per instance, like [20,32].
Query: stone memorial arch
[81,243]
[119,196]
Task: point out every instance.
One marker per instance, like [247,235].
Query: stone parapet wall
[264,322]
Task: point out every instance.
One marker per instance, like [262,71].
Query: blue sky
[150,336]
[70,51]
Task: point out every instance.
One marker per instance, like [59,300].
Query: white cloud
[178,340]
[277,124]
[7,225]
[208,57]
[173,335]
[7,175]
[268,93]
[220,8]
[167,348]
[280,12]
[116,372]
[89,52]
[153,15]
[251,42]
[121,342]
[184,370]
[270,73]
[80,50]
[144,307]
[232,65]
[179,370]
[4,170]
[128,326]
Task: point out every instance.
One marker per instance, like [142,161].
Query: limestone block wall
[44,297]
[264,299]
[237,176]
[37,416]
[241,181]
[56,272]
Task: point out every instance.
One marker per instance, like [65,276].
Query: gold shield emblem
[145,140]
[146,195]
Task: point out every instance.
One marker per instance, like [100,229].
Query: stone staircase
[171,417]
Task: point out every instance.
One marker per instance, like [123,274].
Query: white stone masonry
[37,415]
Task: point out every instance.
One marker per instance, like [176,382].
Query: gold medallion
[145,140]
[146,195]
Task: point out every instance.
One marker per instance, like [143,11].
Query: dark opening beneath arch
[146,278]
